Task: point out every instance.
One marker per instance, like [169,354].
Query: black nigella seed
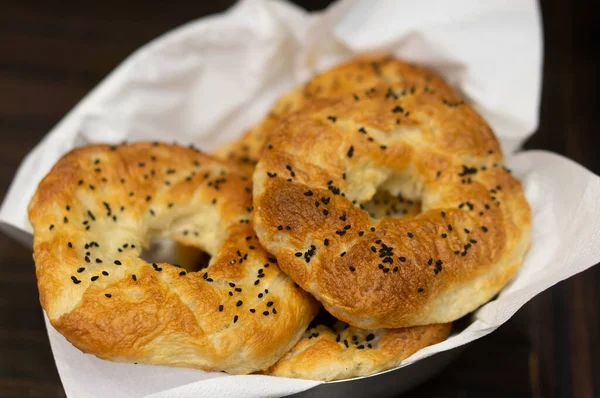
[352,269]
[235,319]
[70,245]
[104,273]
[117,262]
[484,228]
[449,227]
[134,277]
[308,193]
[221,308]
[252,310]
[444,236]
[239,303]
[94,278]
[265,313]
[75,280]
[270,303]
[98,261]
[410,235]
[332,118]
[350,151]
[402,259]
[420,290]
[325,212]
[298,254]
[108,295]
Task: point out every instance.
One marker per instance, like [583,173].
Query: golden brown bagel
[419,142]
[352,77]
[96,210]
[343,351]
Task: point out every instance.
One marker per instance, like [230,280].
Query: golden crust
[420,142]
[322,355]
[352,77]
[343,352]
[95,212]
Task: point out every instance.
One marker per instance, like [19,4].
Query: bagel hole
[190,258]
[384,204]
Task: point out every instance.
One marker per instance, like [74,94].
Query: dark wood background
[53,53]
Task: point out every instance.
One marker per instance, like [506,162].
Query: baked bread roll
[95,212]
[352,77]
[341,351]
[415,142]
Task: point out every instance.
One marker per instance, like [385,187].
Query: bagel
[351,77]
[343,352]
[419,143]
[99,207]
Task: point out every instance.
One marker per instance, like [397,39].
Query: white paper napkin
[205,82]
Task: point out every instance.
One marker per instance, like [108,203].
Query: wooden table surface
[52,55]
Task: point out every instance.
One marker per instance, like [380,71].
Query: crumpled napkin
[207,81]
